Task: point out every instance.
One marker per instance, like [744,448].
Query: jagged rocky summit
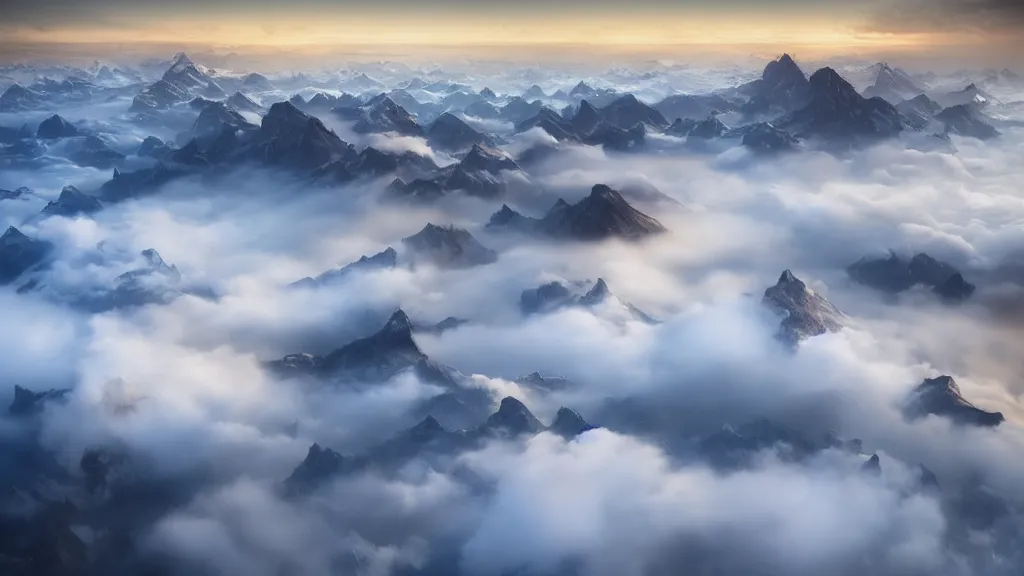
[805,312]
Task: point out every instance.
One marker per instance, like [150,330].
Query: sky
[821,28]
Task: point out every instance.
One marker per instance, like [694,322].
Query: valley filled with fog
[484,318]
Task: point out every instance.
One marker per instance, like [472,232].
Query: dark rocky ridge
[19,253]
[805,312]
[448,247]
[431,441]
[601,215]
[896,274]
[941,397]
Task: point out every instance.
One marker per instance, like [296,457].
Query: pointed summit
[586,118]
[513,418]
[841,116]
[582,90]
[374,358]
[381,261]
[451,133]
[534,93]
[399,323]
[449,247]
[56,127]
[873,466]
[626,112]
[72,202]
[19,253]
[319,465]
[941,396]
[180,61]
[806,313]
[597,294]
[569,424]
[892,85]
[602,214]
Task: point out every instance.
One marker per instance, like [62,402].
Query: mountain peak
[597,293]
[602,214]
[399,322]
[873,466]
[180,62]
[805,313]
[941,396]
[604,191]
[784,69]
[828,77]
[514,417]
[569,424]
[787,278]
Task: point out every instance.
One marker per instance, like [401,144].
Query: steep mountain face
[534,93]
[448,247]
[585,119]
[297,140]
[839,115]
[895,274]
[508,219]
[681,127]
[242,103]
[431,441]
[385,354]
[517,109]
[545,298]
[92,151]
[19,253]
[155,282]
[582,90]
[626,112]
[783,88]
[555,295]
[603,214]
[479,173]
[892,85]
[184,74]
[179,83]
[551,122]
[513,418]
[125,185]
[918,111]
[970,95]
[451,134]
[72,202]
[17,98]
[708,128]
[805,313]
[379,356]
[56,127]
[153,147]
[159,95]
[965,120]
[217,116]
[380,114]
[374,358]
[941,397]
[763,138]
[611,137]
[569,424]
[384,260]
